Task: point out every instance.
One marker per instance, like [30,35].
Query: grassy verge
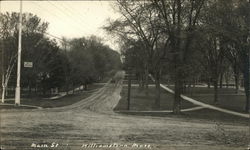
[227,97]
[48,103]
[141,101]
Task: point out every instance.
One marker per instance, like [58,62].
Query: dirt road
[91,124]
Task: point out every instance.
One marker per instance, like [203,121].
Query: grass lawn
[227,98]
[48,103]
[141,101]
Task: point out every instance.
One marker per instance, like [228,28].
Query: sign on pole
[28,64]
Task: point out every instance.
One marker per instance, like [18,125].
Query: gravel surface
[92,124]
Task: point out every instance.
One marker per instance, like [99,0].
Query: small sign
[28,64]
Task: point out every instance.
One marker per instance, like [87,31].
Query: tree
[9,32]
[243,43]
[48,61]
[229,22]
[140,26]
[82,68]
[180,19]
[90,59]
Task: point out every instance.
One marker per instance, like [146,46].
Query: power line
[56,37]
[55,15]
[79,12]
[46,33]
[71,10]
[64,12]
[58,16]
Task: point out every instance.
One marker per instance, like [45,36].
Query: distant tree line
[185,40]
[77,62]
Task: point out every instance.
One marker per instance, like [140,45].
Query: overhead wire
[63,19]
[70,13]
[71,10]
[46,33]
[53,14]
[64,12]
[60,11]
[79,12]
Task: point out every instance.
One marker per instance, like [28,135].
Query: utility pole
[2,69]
[18,89]
[248,100]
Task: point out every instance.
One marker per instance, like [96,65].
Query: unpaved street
[93,121]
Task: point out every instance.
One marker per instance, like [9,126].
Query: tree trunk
[142,81]
[246,86]
[3,94]
[3,71]
[185,87]
[189,88]
[146,78]
[146,81]
[6,91]
[85,87]
[247,81]
[141,84]
[158,92]
[44,91]
[221,80]
[67,86]
[178,91]
[209,83]
[30,90]
[178,61]
[236,78]
[216,90]
[177,97]
[73,89]
[247,96]
[194,82]
[129,92]
[227,82]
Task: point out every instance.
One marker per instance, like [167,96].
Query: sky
[70,19]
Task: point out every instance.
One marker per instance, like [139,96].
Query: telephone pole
[2,69]
[248,98]
[18,89]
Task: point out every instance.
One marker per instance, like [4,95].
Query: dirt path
[93,121]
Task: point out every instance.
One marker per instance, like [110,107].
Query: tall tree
[140,23]
[180,19]
[9,33]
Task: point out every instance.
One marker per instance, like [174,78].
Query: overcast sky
[69,18]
